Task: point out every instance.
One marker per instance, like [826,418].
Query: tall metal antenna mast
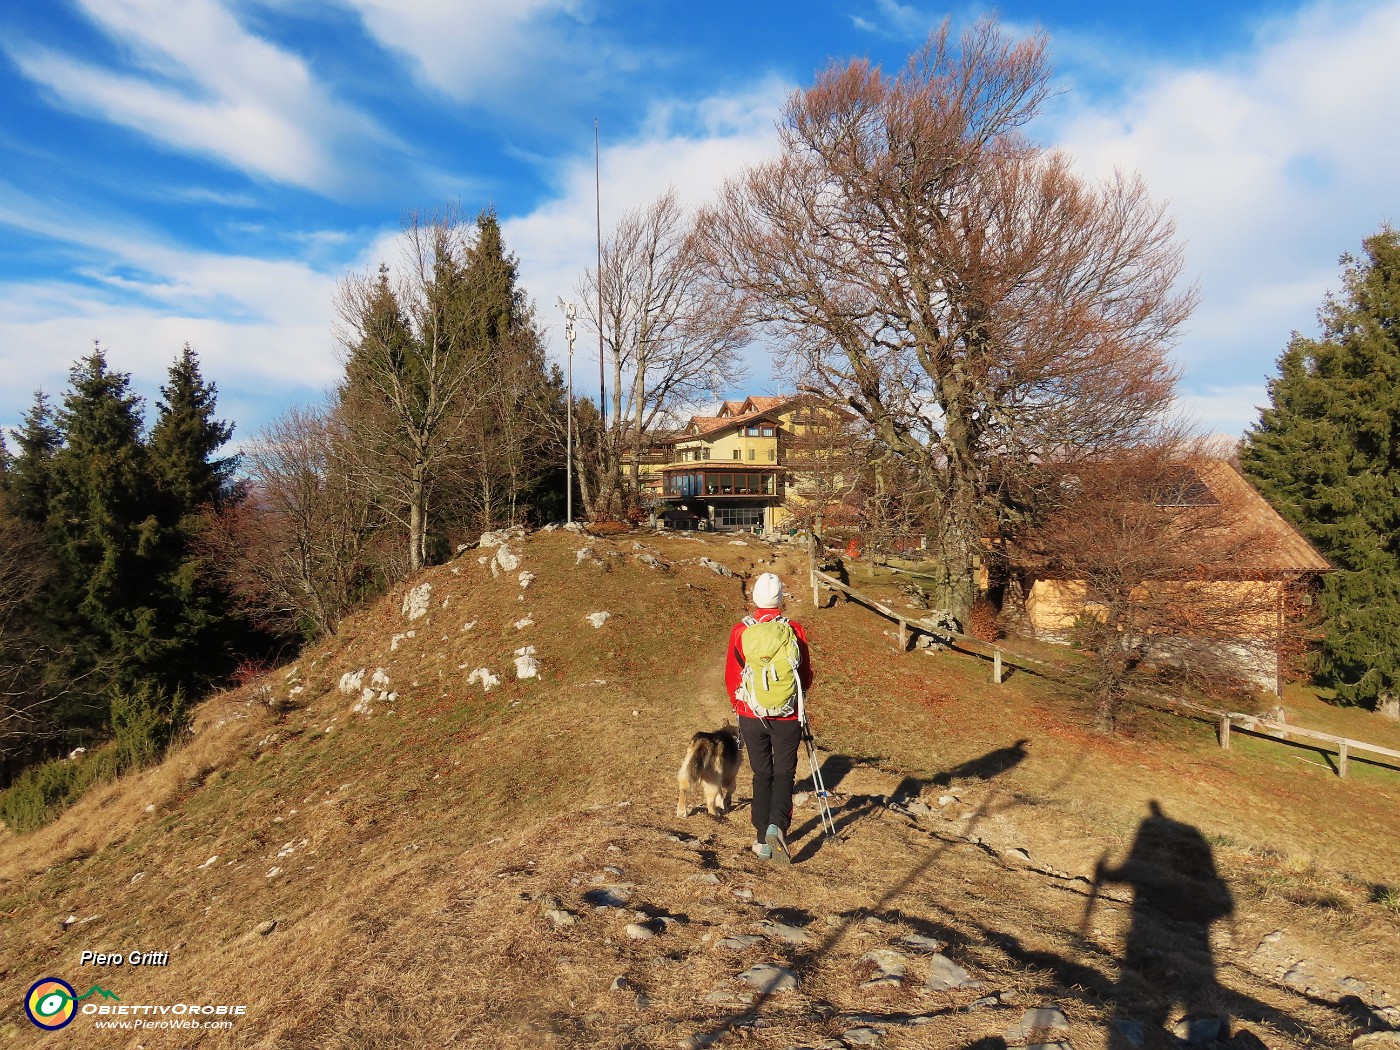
[598,228]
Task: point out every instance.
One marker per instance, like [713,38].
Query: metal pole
[598,230]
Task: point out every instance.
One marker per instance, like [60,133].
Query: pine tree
[1326,453]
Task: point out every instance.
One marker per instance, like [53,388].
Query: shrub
[146,722]
[42,792]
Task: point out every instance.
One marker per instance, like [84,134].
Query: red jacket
[734,661]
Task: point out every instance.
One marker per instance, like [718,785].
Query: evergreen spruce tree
[1326,453]
[522,407]
[191,481]
[29,477]
[107,536]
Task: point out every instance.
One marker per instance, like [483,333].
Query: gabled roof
[1287,549]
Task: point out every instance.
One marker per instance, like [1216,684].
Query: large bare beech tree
[665,341]
[960,288]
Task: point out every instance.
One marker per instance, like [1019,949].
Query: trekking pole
[814,763]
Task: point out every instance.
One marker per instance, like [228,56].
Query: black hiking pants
[772,746]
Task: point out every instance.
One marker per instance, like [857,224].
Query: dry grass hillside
[455,866]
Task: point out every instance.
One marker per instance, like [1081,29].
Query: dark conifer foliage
[1326,453]
[102,530]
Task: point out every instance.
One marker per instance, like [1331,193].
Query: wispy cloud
[467,49]
[199,82]
[262,327]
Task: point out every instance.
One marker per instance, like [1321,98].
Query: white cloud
[1223,410]
[1273,161]
[692,147]
[462,48]
[205,85]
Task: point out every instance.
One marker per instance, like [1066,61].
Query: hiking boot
[764,850]
[777,845]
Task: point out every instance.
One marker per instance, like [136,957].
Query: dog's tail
[694,760]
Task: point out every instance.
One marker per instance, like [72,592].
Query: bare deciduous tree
[1172,566]
[23,699]
[300,551]
[665,341]
[960,288]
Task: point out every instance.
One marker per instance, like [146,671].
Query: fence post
[996,667]
[1225,732]
[903,636]
[1342,760]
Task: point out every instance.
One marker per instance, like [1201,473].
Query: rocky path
[919,925]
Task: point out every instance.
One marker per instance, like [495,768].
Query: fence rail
[1224,720]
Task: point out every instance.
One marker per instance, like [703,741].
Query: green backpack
[769,683]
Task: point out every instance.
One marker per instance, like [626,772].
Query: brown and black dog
[711,763]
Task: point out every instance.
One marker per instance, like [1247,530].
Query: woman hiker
[767,671]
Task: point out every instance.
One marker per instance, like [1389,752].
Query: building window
[772,455]
[736,453]
[767,432]
[752,453]
[738,517]
[751,431]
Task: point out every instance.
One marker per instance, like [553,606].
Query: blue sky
[208,170]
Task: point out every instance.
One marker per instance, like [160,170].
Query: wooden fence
[909,626]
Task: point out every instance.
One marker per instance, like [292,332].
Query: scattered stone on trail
[613,870]
[651,561]
[397,639]
[485,677]
[890,968]
[769,978]
[589,555]
[209,863]
[1376,1040]
[352,681]
[615,896]
[1017,853]
[777,931]
[526,666]
[273,872]
[560,917]
[944,975]
[922,943]
[506,559]
[524,622]
[415,602]
[801,798]
[499,536]
[620,984]
[380,678]
[709,878]
[597,619]
[1040,1019]
[743,893]
[526,578]
[861,1037]
[468,626]
[715,567]
[738,942]
[264,928]
[738,543]
[637,932]
[1193,1031]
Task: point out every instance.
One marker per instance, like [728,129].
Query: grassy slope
[425,839]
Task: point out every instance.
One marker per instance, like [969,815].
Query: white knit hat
[767,591]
